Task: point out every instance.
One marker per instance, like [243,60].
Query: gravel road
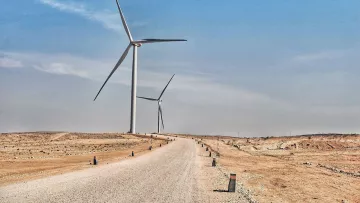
[168,174]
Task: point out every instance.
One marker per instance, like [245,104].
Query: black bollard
[232,183]
[95,161]
[150,147]
[207,149]
[132,153]
[209,154]
[214,162]
[160,145]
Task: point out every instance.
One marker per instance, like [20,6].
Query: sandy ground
[321,168]
[178,172]
[26,156]
[293,169]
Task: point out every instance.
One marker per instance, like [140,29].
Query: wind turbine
[159,105]
[135,44]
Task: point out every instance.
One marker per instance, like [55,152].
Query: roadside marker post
[207,149]
[214,162]
[209,154]
[232,183]
[95,161]
[132,153]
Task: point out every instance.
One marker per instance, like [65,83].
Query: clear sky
[257,68]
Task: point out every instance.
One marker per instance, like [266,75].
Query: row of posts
[232,180]
[95,161]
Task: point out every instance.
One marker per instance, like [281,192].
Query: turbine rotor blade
[123,56]
[146,41]
[127,30]
[165,87]
[147,98]
[162,120]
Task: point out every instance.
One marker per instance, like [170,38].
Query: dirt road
[168,174]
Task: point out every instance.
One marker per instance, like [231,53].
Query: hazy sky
[255,67]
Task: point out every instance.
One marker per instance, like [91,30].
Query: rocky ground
[178,172]
[313,168]
[25,156]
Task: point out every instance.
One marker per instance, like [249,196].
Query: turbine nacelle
[136,44]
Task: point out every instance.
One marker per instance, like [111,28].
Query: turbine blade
[115,68]
[127,30]
[162,120]
[147,98]
[165,87]
[146,41]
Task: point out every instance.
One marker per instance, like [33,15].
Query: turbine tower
[159,105]
[135,44]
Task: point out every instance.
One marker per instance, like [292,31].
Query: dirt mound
[72,136]
[316,145]
[322,145]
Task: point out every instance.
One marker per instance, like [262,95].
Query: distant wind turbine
[135,44]
[159,100]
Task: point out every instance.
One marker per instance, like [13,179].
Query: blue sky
[253,67]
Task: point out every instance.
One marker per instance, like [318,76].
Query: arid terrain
[177,172]
[311,168]
[25,156]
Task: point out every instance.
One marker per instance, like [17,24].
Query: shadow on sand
[220,190]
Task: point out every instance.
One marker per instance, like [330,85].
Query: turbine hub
[138,45]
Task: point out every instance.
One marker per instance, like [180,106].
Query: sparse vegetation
[307,168]
[54,152]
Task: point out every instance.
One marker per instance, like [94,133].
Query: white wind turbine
[135,44]
[159,105]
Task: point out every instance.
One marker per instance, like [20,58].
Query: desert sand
[313,168]
[178,172]
[26,156]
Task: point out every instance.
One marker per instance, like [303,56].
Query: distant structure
[159,100]
[135,44]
